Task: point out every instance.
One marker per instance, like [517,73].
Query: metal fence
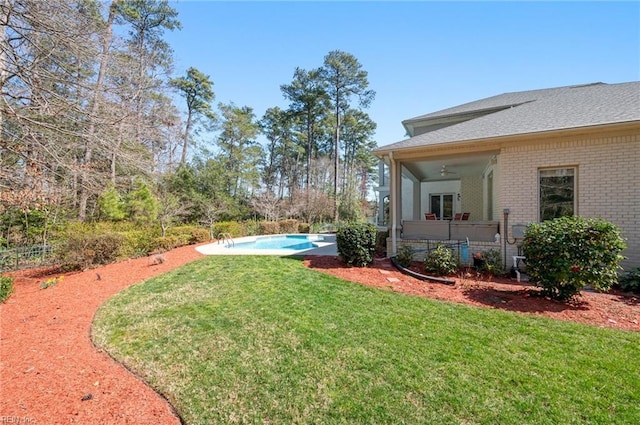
[26,257]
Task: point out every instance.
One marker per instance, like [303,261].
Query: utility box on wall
[517,231]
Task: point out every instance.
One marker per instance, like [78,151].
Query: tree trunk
[336,214]
[185,143]
[93,111]
[3,55]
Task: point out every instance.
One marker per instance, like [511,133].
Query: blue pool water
[293,242]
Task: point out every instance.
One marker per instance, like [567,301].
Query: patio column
[395,202]
[383,192]
[417,205]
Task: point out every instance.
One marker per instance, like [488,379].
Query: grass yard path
[50,372]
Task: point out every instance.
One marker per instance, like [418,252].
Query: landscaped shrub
[630,281]
[190,234]
[381,242]
[167,243]
[6,288]
[137,243]
[269,228]
[566,254]
[250,228]
[404,256]
[233,228]
[357,243]
[491,262]
[86,250]
[288,226]
[441,261]
[304,228]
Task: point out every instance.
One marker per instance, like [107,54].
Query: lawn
[265,340]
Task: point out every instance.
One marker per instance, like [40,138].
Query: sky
[420,56]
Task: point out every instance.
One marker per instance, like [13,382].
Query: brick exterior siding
[608,181]
[471,194]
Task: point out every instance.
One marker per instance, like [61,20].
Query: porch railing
[480,231]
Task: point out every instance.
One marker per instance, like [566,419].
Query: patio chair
[430,216]
[457,217]
[465,216]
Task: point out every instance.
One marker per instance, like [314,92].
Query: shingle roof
[531,112]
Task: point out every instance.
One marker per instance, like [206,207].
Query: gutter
[497,142]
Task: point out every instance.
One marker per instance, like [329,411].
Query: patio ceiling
[429,169]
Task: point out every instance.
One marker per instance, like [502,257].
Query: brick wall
[608,182]
[472,196]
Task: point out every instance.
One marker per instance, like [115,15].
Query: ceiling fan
[444,172]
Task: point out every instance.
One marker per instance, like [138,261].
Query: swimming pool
[294,242]
[291,244]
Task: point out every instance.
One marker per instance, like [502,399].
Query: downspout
[394,210]
[505,238]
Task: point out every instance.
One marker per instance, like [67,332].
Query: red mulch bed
[52,374]
[615,309]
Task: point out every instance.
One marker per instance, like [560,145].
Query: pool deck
[327,246]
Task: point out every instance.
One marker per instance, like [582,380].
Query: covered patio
[440,198]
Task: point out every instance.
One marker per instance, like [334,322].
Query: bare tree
[48,50]
[267,204]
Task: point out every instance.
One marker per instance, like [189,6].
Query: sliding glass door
[441,204]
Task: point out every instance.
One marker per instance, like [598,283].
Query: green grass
[264,340]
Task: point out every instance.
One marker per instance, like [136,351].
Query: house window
[557,192]
[441,204]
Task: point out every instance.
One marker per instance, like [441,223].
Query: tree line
[90,123]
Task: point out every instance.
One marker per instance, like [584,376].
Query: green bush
[167,243]
[568,253]
[381,242]
[268,228]
[199,235]
[304,228]
[492,262]
[190,234]
[441,261]
[137,243]
[250,228]
[404,256]
[6,288]
[233,228]
[83,251]
[288,226]
[630,281]
[357,243]
[110,205]
[141,204]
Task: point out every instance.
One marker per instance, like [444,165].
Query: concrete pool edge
[327,246]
